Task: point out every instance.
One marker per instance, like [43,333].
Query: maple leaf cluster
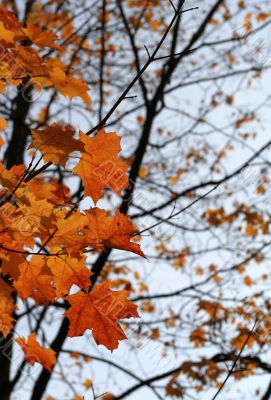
[45,238]
[22,59]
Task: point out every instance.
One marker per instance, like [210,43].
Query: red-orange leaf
[100,311]
[34,352]
[100,167]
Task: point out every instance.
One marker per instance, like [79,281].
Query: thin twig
[231,371]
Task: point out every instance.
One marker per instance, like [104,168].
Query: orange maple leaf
[34,352]
[100,311]
[56,143]
[31,218]
[6,34]
[100,167]
[2,87]
[6,308]
[9,19]
[9,178]
[69,233]
[114,232]
[67,85]
[42,38]
[3,122]
[11,262]
[69,271]
[35,281]
[49,189]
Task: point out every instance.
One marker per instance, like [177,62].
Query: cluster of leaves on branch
[45,238]
[23,58]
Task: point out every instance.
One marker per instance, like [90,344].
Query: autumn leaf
[29,61]
[247,22]
[67,85]
[262,16]
[6,34]
[32,218]
[42,38]
[2,87]
[69,233]
[35,281]
[114,232]
[88,383]
[100,311]
[34,352]
[7,308]
[9,178]
[155,24]
[108,396]
[50,189]
[3,124]
[251,230]
[198,337]
[174,390]
[9,19]
[248,281]
[243,337]
[69,271]
[10,264]
[95,229]
[99,166]
[56,143]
